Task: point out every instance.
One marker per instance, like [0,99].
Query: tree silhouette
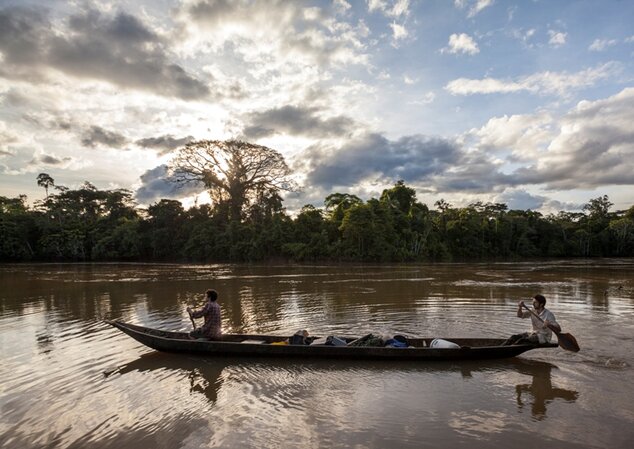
[45,180]
[234,172]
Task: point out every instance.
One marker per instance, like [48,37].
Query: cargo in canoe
[263,345]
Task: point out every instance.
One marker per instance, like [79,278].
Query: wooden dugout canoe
[235,345]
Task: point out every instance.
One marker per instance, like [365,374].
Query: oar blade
[568,342]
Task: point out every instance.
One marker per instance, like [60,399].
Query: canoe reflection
[204,375]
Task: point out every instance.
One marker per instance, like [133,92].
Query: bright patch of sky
[524,102]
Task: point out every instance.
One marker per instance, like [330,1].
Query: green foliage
[90,224]
[119,242]
[17,229]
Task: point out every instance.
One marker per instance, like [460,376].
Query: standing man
[542,332]
[211,311]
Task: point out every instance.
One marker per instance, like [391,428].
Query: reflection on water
[541,391]
[68,380]
[204,375]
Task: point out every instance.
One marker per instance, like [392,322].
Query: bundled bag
[299,338]
[394,343]
[335,341]
[367,340]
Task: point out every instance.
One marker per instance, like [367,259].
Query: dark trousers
[197,333]
[522,339]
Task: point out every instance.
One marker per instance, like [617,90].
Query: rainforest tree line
[247,221]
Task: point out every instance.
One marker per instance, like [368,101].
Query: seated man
[541,333]
[211,311]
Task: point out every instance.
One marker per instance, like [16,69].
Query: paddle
[566,341]
[192,318]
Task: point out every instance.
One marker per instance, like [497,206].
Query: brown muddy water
[67,380]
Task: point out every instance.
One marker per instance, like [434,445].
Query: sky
[524,102]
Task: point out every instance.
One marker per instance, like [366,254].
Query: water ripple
[69,380]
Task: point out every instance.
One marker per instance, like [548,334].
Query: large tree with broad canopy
[235,173]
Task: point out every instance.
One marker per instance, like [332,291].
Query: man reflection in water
[542,333]
[211,312]
[542,390]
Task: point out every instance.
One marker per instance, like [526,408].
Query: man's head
[212,295]
[539,302]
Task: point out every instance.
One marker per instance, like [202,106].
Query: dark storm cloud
[295,120]
[522,200]
[63,124]
[164,144]
[411,158]
[47,159]
[475,173]
[23,34]
[156,184]
[212,12]
[123,28]
[51,160]
[96,135]
[119,49]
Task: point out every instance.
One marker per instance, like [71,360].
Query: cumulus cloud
[341,6]
[118,48]
[409,80]
[461,43]
[399,32]
[396,8]
[428,98]
[594,147]
[552,83]
[296,120]
[557,38]
[523,135]
[156,184]
[591,146]
[474,6]
[272,32]
[7,138]
[524,35]
[96,135]
[602,44]
[164,144]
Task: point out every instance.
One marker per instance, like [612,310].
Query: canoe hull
[179,342]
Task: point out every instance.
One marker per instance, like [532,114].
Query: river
[68,380]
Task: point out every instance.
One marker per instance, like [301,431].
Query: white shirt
[540,329]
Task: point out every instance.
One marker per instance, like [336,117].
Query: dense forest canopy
[88,224]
